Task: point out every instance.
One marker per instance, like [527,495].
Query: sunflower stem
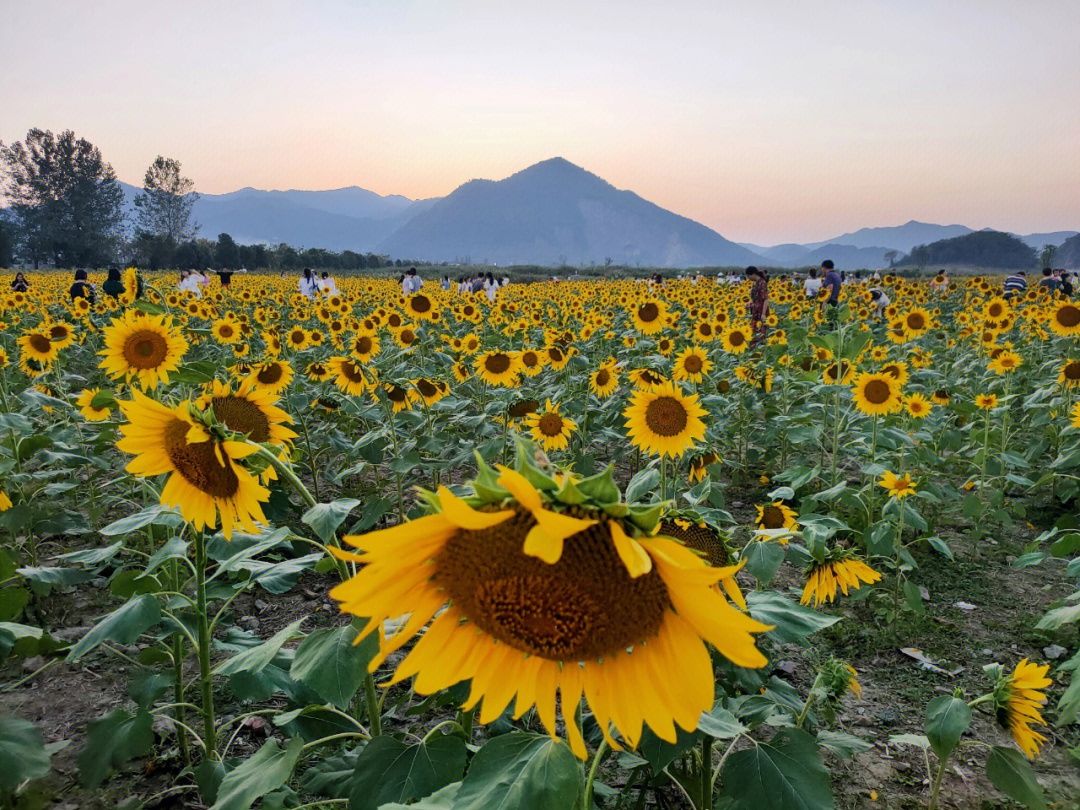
[706,772]
[205,681]
[374,712]
[178,676]
[587,796]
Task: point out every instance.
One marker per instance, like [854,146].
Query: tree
[226,254]
[7,243]
[67,204]
[165,209]
[1046,257]
[891,256]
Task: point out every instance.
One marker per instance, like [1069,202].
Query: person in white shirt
[412,282]
[445,283]
[327,285]
[505,281]
[308,284]
[880,300]
[491,288]
[189,282]
[813,285]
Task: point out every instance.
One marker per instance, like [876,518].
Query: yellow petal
[630,551]
[465,517]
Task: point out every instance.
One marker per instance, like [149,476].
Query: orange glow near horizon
[781,123]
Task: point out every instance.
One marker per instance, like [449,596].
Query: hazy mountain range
[548,214]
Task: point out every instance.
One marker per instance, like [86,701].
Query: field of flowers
[597,544]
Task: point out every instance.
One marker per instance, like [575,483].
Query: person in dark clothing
[1065,286]
[832,282]
[82,288]
[114,284]
[20,284]
[759,303]
[1048,280]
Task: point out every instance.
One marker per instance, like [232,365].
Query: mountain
[989,249]
[553,213]
[1068,254]
[340,219]
[1039,240]
[900,237]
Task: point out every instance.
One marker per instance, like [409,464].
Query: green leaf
[92,556]
[198,372]
[147,687]
[270,768]
[785,773]
[123,625]
[330,776]
[519,771]
[763,559]
[941,547]
[332,665]
[947,718]
[174,548]
[841,744]
[442,799]
[720,724]
[256,659]
[105,398]
[1066,614]
[913,598]
[22,754]
[388,770]
[660,753]
[1010,773]
[600,487]
[111,741]
[152,515]
[47,578]
[324,518]
[642,484]
[12,602]
[793,621]
[910,739]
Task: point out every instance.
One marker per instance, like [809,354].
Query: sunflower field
[597,544]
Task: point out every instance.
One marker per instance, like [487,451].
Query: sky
[769,121]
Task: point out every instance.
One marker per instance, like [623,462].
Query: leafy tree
[890,256]
[990,249]
[1046,257]
[226,254]
[67,203]
[165,210]
[195,254]
[7,243]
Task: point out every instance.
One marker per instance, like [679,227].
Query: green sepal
[486,486]
[570,493]
[616,510]
[646,517]
[601,488]
[524,464]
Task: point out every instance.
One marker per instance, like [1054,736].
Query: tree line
[66,209]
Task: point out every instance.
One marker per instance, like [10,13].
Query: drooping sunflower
[349,376]
[690,364]
[1064,319]
[146,347]
[549,427]
[537,602]
[5,501]
[86,408]
[699,466]
[876,394]
[498,368]
[843,573]
[1069,376]
[899,486]
[1019,698]
[665,421]
[207,474]
[604,380]
[273,376]
[942,396]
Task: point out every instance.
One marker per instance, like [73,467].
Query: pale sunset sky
[768,121]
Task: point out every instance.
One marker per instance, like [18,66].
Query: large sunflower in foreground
[207,474]
[876,394]
[665,421]
[145,347]
[534,602]
[1065,319]
[249,410]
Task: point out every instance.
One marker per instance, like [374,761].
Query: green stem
[178,693]
[374,711]
[601,752]
[706,772]
[204,646]
[936,789]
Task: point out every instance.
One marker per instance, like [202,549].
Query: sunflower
[273,376]
[898,486]
[1065,319]
[604,380]
[647,379]
[462,372]
[398,397]
[649,316]
[498,368]
[470,344]
[665,421]
[86,408]
[699,466]
[5,501]
[532,361]
[61,334]
[776,516]
[876,394]
[251,410]
[348,376]
[422,307]
[144,346]
[699,537]
[37,346]
[986,401]
[364,346]
[1018,699]
[428,391]
[297,338]
[532,602]
[1075,416]
[550,428]
[1069,376]
[207,475]
[736,339]
[1005,362]
[842,573]
[897,370]
[317,372]
[843,369]
[917,322]
[941,396]
[690,364]
[556,357]
[918,406]
[225,331]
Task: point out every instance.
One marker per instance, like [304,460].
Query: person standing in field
[812,286]
[759,303]
[411,283]
[1015,284]
[327,285]
[82,288]
[832,283]
[307,284]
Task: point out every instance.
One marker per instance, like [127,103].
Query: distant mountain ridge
[550,213]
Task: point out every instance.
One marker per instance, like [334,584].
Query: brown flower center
[550,424]
[243,416]
[666,416]
[603,377]
[145,349]
[877,392]
[198,463]
[1068,315]
[420,303]
[497,363]
[649,313]
[692,364]
[40,344]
